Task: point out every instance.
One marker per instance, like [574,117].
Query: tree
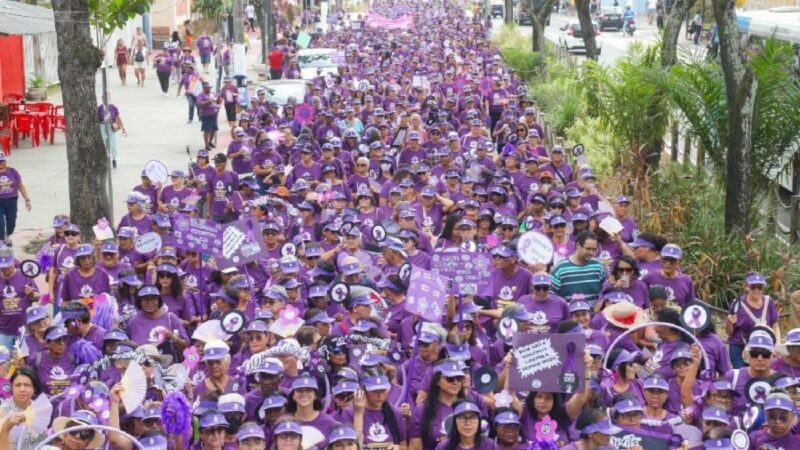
[587,29]
[78,60]
[672,30]
[266,21]
[540,14]
[740,91]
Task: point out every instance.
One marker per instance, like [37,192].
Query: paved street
[157,129]
[614,43]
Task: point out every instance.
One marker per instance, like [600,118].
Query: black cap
[657,292]
[220,157]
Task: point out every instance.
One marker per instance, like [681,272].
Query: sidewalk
[157,129]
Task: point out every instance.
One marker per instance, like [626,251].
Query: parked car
[571,38]
[279,91]
[311,60]
[497,11]
[610,17]
[524,18]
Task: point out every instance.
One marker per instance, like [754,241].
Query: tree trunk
[740,90]
[272,27]
[539,20]
[674,142]
[672,30]
[87,157]
[587,30]
[509,9]
[263,28]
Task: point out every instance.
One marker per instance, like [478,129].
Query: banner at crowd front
[545,362]
[636,438]
[231,244]
[403,22]
[471,272]
[427,293]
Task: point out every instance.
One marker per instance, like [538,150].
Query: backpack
[139,56]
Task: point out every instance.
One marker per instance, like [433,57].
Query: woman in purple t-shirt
[465,432]
[10,188]
[305,405]
[747,312]
[595,430]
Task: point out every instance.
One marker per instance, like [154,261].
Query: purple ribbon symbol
[339,293]
[760,394]
[694,321]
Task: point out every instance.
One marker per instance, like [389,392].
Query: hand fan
[134,386]
[38,415]
[209,330]
[311,437]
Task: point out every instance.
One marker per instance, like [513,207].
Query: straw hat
[624,315]
[82,417]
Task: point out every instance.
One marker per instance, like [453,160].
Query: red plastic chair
[27,125]
[57,122]
[44,111]
[13,98]
[5,143]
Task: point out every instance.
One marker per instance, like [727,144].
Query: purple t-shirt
[143,225]
[638,291]
[376,430]
[76,286]
[745,323]
[529,420]
[510,289]
[485,444]
[547,314]
[680,288]
[54,373]
[204,45]
[208,109]
[144,330]
[9,183]
[222,186]
[761,439]
[173,198]
[14,302]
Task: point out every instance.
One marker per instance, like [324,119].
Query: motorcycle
[629,27]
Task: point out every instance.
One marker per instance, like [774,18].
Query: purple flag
[197,235]
[240,243]
[427,293]
[471,272]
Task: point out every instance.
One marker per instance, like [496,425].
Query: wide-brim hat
[60,423]
[624,315]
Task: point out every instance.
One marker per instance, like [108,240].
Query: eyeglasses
[454,380]
[71,233]
[560,225]
[312,258]
[723,396]
[214,430]
[164,275]
[84,435]
[467,418]
[625,269]
[755,354]
[633,415]
[338,350]
[541,288]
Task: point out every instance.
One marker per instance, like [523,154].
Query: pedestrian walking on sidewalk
[10,187]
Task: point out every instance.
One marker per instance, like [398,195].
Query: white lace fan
[312,437]
[38,415]
[134,386]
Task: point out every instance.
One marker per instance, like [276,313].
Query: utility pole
[238,26]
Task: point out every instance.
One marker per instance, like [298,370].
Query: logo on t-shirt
[191,281]
[67,263]
[156,335]
[10,299]
[86,291]
[377,433]
[506,293]
[58,374]
[6,185]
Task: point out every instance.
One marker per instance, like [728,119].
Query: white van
[311,60]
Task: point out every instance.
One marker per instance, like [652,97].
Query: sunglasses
[344,397]
[71,233]
[84,435]
[507,228]
[756,287]
[454,380]
[164,275]
[560,225]
[312,258]
[764,354]
[214,430]
[625,269]
[541,288]
[681,363]
[338,350]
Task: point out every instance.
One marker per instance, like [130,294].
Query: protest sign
[156,171]
[471,272]
[535,248]
[547,362]
[240,243]
[196,235]
[630,438]
[427,293]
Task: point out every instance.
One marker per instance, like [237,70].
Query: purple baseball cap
[466,407]
[344,387]
[289,426]
[273,401]
[342,433]
[507,418]
[656,382]
[628,405]
[762,341]
[717,444]
[249,431]
[639,242]
[579,305]
[715,414]
[603,427]
[504,251]
[305,383]
[6,261]
[378,383]
[671,251]
[213,418]
[56,333]
[34,314]
[449,368]
[779,401]
[755,279]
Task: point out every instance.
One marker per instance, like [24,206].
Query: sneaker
[189,122]
[212,145]
[114,163]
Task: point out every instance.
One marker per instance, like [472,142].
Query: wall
[41,56]
[126,34]
[167,16]
[12,74]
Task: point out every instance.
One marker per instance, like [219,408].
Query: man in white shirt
[250,13]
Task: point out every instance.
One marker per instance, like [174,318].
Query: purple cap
[257,326]
[579,305]
[603,427]
[779,401]
[60,221]
[466,407]
[656,382]
[595,350]
[305,383]
[115,335]
[213,419]
[269,366]
[755,279]
[231,403]
[504,251]
[715,414]
[35,313]
[628,405]
[671,251]
[378,383]
[342,433]
[617,297]
[680,353]
[289,426]
[345,386]
[624,356]
[557,220]
[507,418]
[249,431]
[84,250]
[56,333]
[540,279]
[721,385]
[169,268]
[449,368]
[127,232]
[273,401]
[320,318]
[6,261]
[215,351]
[639,242]
[428,337]
[622,199]
[109,247]
[351,269]
[760,341]
[428,191]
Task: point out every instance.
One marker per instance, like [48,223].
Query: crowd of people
[426,136]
